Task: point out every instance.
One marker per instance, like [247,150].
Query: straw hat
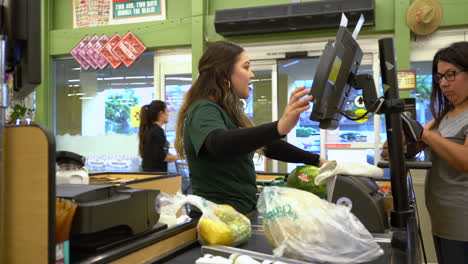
[424,16]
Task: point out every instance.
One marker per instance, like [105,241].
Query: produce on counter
[300,225]
[303,177]
[228,226]
[219,224]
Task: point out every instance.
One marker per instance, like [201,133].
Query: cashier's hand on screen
[293,110]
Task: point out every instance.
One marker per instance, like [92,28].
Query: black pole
[392,109]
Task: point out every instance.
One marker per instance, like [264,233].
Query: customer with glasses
[446,137]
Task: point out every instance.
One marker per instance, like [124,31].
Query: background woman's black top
[155,150]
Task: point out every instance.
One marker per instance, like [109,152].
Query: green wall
[190,23]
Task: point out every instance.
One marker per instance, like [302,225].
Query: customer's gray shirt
[446,188]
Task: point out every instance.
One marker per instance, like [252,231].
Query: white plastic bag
[334,168]
[302,226]
[219,224]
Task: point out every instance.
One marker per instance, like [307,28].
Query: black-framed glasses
[449,75]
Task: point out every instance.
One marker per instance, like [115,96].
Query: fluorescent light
[86,98]
[100,79]
[137,83]
[80,94]
[291,63]
[74,80]
[114,78]
[135,77]
[76,69]
[179,78]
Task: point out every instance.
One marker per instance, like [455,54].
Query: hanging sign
[97,52]
[407,80]
[96,55]
[128,49]
[76,52]
[106,51]
[92,13]
[84,52]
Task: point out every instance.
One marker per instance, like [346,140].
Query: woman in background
[219,140]
[153,147]
[446,136]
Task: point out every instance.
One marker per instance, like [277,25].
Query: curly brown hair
[215,69]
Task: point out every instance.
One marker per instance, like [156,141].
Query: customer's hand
[293,110]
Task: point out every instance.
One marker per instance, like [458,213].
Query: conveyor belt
[258,244]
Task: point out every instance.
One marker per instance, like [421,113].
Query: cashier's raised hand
[293,110]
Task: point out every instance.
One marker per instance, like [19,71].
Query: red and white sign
[97,52]
[129,49]
[106,51]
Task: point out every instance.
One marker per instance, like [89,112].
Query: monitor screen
[21,24]
[332,82]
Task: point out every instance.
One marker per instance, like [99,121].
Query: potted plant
[19,112]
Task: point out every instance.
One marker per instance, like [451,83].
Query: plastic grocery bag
[334,168]
[219,224]
[300,225]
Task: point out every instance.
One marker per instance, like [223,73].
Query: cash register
[108,215]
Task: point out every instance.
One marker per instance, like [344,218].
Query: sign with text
[92,13]
[76,53]
[135,8]
[84,51]
[98,52]
[407,80]
[95,54]
[128,49]
[106,51]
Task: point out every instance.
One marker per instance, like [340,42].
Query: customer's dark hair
[148,115]
[456,54]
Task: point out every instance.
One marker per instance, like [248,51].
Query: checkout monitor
[20,22]
[332,82]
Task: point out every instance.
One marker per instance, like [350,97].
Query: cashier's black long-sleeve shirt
[222,143]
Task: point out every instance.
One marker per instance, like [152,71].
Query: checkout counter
[28,214]
[131,233]
[362,191]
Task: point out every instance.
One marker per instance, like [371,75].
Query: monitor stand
[403,218]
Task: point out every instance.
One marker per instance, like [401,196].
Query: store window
[293,73]
[97,111]
[422,93]
[176,85]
